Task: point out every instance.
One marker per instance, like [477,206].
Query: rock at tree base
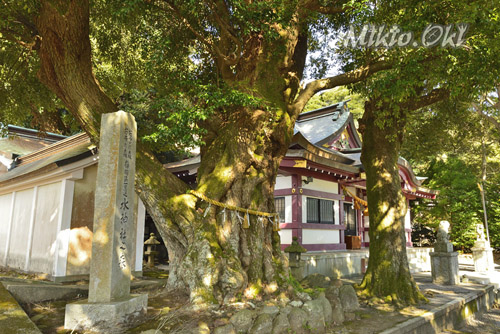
[298,319]
[348,298]
[271,310]
[227,329]
[337,313]
[316,281]
[350,316]
[242,321]
[281,325]
[327,309]
[296,303]
[316,318]
[262,325]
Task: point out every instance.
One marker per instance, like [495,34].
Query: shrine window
[320,211]
[279,205]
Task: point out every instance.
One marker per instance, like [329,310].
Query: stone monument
[110,304]
[444,261]
[482,252]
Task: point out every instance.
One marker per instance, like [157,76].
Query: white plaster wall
[45,228]
[288,209]
[141,219]
[419,258]
[283,182]
[352,190]
[285,236]
[5,203]
[23,203]
[313,236]
[304,209]
[367,237]
[366,221]
[322,185]
[336,207]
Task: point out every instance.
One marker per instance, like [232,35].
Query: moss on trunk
[388,274]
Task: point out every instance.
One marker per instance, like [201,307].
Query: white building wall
[288,209]
[5,214]
[285,236]
[352,190]
[317,236]
[45,228]
[283,182]
[35,226]
[322,185]
[16,256]
[141,219]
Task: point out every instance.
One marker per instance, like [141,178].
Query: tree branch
[434,96]
[489,118]
[221,16]
[343,79]
[10,36]
[211,46]
[493,104]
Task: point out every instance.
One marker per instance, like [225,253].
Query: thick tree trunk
[388,274]
[239,167]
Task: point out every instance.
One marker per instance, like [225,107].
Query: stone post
[482,252]
[444,261]
[110,304]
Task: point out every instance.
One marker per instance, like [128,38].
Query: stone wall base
[105,317]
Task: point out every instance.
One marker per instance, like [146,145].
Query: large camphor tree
[419,78]
[237,68]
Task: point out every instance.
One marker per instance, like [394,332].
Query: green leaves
[174,121]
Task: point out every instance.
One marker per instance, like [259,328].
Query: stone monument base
[483,259]
[444,267]
[105,317]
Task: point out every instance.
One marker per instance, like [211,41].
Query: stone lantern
[151,250]
[294,252]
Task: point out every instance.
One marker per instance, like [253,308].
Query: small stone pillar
[444,261]
[482,252]
[110,304]
[294,262]
[151,250]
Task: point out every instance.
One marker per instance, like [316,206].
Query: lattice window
[320,211]
[279,205]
